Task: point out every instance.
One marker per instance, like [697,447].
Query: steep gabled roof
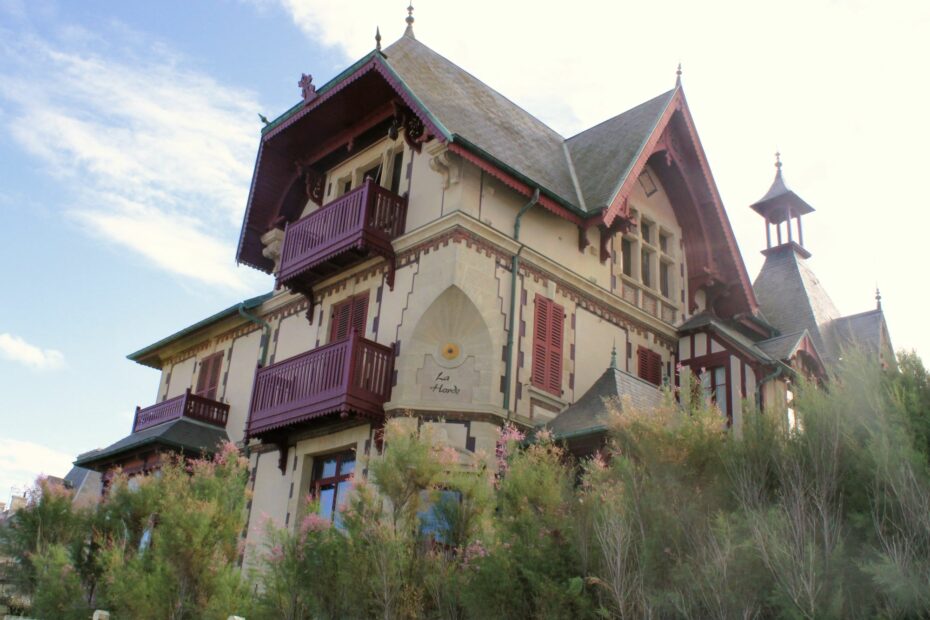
[605,154]
[589,413]
[473,111]
[792,298]
[862,330]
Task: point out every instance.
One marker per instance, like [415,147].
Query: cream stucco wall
[594,338]
[237,386]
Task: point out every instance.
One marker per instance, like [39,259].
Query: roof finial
[377,38]
[878,298]
[409,31]
[678,76]
[613,356]
[778,160]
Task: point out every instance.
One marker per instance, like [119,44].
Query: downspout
[266,331]
[514,272]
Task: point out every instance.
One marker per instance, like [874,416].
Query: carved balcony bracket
[415,133]
[272,241]
[447,164]
[313,181]
[583,241]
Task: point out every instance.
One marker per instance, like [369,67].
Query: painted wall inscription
[444,384]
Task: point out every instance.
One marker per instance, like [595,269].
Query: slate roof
[782,347]
[75,478]
[472,110]
[190,436]
[863,330]
[588,413]
[604,154]
[792,298]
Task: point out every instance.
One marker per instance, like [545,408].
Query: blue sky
[128,132]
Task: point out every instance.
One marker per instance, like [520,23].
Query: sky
[128,134]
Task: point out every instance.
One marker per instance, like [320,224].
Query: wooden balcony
[187,405]
[342,233]
[352,376]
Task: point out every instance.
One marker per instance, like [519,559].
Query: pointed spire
[878,298]
[613,357]
[378,38]
[409,31]
[778,161]
[678,76]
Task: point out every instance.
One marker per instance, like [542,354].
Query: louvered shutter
[655,368]
[339,321]
[540,340]
[642,363]
[359,313]
[209,378]
[349,315]
[554,364]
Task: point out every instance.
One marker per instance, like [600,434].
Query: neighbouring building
[437,250]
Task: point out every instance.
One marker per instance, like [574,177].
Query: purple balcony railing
[186,405]
[362,222]
[350,376]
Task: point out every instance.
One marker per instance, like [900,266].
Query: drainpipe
[514,271]
[266,331]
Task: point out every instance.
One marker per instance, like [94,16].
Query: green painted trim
[141,355]
[321,90]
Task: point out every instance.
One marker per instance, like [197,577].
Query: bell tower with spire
[783,209]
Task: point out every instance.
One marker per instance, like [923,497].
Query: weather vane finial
[678,75]
[377,38]
[409,31]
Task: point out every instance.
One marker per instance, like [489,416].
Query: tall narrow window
[715,387]
[626,252]
[332,481]
[348,315]
[646,260]
[397,171]
[373,173]
[547,345]
[209,378]
[664,269]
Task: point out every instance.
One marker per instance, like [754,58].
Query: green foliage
[186,569]
[59,592]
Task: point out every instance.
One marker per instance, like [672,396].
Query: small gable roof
[183,434]
[863,330]
[588,414]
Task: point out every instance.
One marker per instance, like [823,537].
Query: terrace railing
[350,376]
[187,405]
[364,220]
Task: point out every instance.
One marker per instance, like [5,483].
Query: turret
[779,207]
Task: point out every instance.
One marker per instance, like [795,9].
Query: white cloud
[157,156]
[21,462]
[835,85]
[18,350]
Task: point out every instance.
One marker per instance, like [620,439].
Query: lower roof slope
[792,298]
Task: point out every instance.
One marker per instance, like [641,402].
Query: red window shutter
[209,378]
[642,363]
[348,315]
[556,328]
[359,313]
[540,340]
[548,333]
[655,368]
[339,320]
